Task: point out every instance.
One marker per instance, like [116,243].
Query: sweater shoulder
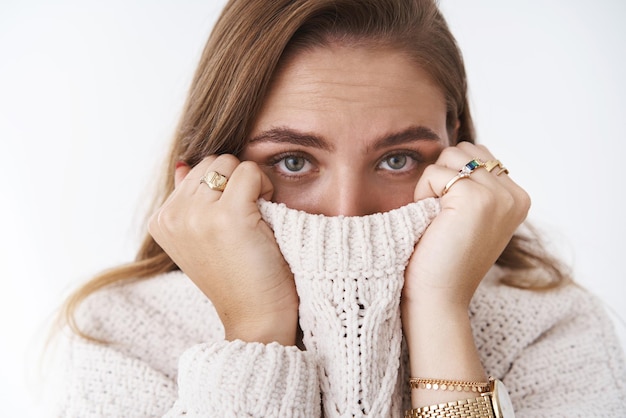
[509,322]
[152,319]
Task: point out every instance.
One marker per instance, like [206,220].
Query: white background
[90,93]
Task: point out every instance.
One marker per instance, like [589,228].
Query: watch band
[479,407]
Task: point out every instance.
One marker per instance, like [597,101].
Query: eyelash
[274,160]
[415,156]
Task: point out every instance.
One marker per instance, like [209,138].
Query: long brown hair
[239,60]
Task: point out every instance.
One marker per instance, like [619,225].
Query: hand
[479,215]
[221,242]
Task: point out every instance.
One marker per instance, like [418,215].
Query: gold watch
[495,403]
[499,398]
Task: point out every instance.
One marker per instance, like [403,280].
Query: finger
[190,182]
[433,181]
[189,179]
[444,173]
[246,185]
[223,164]
[497,169]
[501,188]
[463,157]
[442,176]
[181,171]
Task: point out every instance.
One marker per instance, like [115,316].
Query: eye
[396,162]
[399,162]
[291,165]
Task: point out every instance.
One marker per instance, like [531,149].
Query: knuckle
[226,160]
[248,168]
[524,202]
[507,202]
[167,220]
[210,158]
[153,224]
[516,204]
[450,153]
[465,146]
[429,170]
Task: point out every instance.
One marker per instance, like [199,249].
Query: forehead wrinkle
[312,96]
[315,75]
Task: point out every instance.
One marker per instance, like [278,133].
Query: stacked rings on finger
[215,180]
[463,173]
[491,164]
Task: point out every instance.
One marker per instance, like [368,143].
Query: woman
[324,202]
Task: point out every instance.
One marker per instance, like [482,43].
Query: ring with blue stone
[463,173]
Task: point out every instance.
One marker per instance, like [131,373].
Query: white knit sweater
[555,350]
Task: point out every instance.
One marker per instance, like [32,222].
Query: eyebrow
[290,136]
[412,134]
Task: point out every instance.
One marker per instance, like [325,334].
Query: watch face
[501,401]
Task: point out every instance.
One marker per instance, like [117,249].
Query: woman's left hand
[479,215]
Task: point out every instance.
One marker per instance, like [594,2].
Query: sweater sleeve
[222,379]
[237,379]
[166,356]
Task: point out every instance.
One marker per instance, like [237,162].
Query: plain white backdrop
[90,93]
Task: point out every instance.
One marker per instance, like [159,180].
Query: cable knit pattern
[349,274]
[555,350]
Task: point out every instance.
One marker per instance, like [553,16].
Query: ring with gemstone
[463,173]
[215,180]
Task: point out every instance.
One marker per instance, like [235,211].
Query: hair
[244,51]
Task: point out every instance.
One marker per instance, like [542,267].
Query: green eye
[294,163]
[396,162]
[399,162]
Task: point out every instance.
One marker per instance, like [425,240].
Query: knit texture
[349,273]
[555,350]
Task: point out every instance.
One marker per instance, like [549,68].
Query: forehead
[352,67]
[337,89]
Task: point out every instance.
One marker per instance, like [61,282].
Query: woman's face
[348,130]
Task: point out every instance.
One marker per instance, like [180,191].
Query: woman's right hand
[219,240]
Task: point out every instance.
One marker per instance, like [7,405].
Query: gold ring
[491,164]
[215,180]
[463,173]
[454,179]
